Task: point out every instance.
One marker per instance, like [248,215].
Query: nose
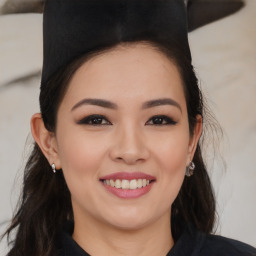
[129,146]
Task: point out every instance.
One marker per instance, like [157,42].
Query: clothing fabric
[74,28]
[191,243]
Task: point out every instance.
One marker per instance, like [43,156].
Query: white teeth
[139,183]
[118,184]
[112,183]
[133,184]
[127,184]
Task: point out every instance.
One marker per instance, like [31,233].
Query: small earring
[190,169]
[53,168]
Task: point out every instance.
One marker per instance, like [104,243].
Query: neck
[101,239]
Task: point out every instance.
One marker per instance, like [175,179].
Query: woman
[117,168]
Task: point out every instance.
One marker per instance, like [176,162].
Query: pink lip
[128,193]
[127,176]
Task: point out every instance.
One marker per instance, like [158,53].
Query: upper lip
[128,176]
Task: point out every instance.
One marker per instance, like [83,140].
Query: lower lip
[129,193]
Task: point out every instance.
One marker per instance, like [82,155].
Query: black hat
[72,28]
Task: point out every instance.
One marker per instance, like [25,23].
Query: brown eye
[95,120]
[161,120]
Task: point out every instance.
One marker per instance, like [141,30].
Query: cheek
[171,154]
[80,155]
[172,150]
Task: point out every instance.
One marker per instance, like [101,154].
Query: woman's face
[123,137]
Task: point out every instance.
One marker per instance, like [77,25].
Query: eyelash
[89,120]
[96,120]
[167,120]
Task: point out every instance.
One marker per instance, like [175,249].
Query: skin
[127,140]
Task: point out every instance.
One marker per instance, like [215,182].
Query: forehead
[127,72]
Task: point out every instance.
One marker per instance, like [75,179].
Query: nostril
[129,150]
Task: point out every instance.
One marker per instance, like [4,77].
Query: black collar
[188,244]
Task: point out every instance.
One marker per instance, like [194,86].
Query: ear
[194,138]
[45,139]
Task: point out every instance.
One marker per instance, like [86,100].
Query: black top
[191,243]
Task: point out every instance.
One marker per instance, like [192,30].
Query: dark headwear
[75,27]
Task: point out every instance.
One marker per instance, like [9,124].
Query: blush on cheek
[173,164]
[175,173]
[81,163]
[173,158]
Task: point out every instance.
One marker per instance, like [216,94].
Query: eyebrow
[96,102]
[111,105]
[160,102]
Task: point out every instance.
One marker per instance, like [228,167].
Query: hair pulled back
[45,203]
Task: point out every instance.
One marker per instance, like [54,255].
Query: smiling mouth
[127,184]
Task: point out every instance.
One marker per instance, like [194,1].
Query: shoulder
[65,245]
[195,243]
[217,245]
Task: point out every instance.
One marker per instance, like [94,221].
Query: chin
[129,225]
[130,220]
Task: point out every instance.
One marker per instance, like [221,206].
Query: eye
[160,120]
[94,120]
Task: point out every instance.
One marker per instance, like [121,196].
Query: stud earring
[190,169]
[53,168]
